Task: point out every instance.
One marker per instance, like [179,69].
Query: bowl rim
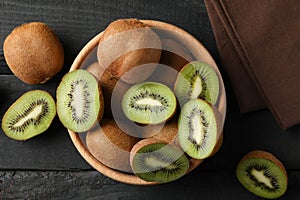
[100,167]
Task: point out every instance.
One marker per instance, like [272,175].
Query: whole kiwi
[109,85]
[110,145]
[33,52]
[128,43]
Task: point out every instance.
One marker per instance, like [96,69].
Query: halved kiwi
[149,103]
[156,161]
[263,174]
[197,80]
[197,129]
[29,116]
[79,101]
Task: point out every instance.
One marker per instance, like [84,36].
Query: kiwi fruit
[156,161]
[197,80]
[197,129]
[168,133]
[173,58]
[110,145]
[29,116]
[149,103]
[33,52]
[128,43]
[80,103]
[174,54]
[263,174]
[109,85]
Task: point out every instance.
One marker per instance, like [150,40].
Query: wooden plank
[92,185]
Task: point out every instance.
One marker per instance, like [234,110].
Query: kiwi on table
[261,173]
[197,80]
[80,103]
[29,116]
[110,145]
[149,103]
[197,129]
[128,43]
[156,161]
[33,52]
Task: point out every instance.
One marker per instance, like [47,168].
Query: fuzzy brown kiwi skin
[265,155]
[110,145]
[33,52]
[173,59]
[108,83]
[128,60]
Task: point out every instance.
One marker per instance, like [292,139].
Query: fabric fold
[259,46]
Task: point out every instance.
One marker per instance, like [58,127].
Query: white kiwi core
[198,133]
[197,89]
[32,115]
[259,175]
[79,101]
[148,101]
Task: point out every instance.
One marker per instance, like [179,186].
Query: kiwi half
[197,80]
[156,161]
[149,103]
[79,101]
[29,116]
[197,129]
[263,174]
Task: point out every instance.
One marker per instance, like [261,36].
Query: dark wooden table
[49,166]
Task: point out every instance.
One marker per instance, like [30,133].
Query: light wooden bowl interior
[199,52]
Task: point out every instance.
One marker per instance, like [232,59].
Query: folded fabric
[259,45]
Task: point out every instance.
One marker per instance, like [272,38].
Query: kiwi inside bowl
[193,50]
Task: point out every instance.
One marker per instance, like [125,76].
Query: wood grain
[90,185]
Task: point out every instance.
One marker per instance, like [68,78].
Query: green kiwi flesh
[159,162]
[78,100]
[149,103]
[197,129]
[262,174]
[29,116]
[197,80]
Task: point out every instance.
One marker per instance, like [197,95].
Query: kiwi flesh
[149,103]
[33,52]
[80,103]
[156,161]
[110,145]
[29,116]
[126,44]
[261,173]
[197,80]
[197,129]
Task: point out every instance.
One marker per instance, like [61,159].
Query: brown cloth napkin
[259,45]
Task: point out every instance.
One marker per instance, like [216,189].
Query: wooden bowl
[88,55]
